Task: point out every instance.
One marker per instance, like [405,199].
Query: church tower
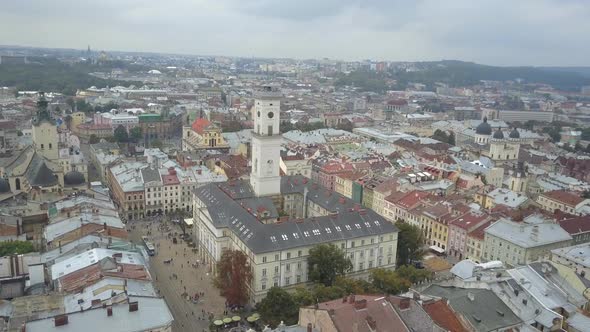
[45,137]
[266,142]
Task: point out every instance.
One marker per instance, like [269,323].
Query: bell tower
[266,142]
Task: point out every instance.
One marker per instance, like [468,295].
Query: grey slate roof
[38,174]
[149,174]
[486,312]
[223,202]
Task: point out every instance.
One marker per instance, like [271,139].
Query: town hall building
[275,220]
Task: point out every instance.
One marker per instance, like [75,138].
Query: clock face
[270,115]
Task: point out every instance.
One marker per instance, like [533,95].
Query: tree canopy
[136,134]
[121,134]
[410,243]
[15,247]
[326,262]
[233,277]
[93,139]
[51,75]
[279,306]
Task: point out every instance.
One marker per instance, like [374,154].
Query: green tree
[326,262]
[121,134]
[15,247]
[93,139]
[388,282]
[136,134]
[323,293]
[354,286]
[83,106]
[345,125]
[156,144]
[303,297]
[413,274]
[233,277]
[451,138]
[277,306]
[410,243]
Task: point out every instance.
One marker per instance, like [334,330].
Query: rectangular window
[264,272]
[288,255]
[287,281]
[288,267]
[299,253]
[264,259]
[276,269]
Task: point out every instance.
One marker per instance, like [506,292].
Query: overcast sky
[500,32]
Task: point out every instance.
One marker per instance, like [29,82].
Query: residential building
[517,243]
[460,227]
[362,313]
[564,201]
[480,309]
[577,257]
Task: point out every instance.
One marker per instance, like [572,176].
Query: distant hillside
[584,71]
[458,73]
[51,75]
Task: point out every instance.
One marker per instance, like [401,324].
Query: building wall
[475,248]
[319,319]
[45,139]
[563,260]
[288,268]
[496,248]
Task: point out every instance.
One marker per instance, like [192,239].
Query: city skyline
[539,33]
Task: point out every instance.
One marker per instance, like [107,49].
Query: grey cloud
[506,32]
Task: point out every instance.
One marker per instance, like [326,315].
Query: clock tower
[266,142]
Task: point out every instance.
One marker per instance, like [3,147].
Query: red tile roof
[200,125]
[170,179]
[356,316]
[89,275]
[576,225]
[565,197]
[412,199]
[479,233]
[469,219]
[444,316]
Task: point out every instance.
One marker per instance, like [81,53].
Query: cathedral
[49,165]
[500,146]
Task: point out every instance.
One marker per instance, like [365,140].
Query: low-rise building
[564,201]
[517,243]
[577,257]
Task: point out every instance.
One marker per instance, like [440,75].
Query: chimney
[104,226]
[372,323]
[404,303]
[60,320]
[351,298]
[109,311]
[133,306]
[309,327]
[361,304]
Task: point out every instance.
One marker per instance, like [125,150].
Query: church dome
[514,133]
[498,134]
[4,186]
[484,128]
[74,178]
